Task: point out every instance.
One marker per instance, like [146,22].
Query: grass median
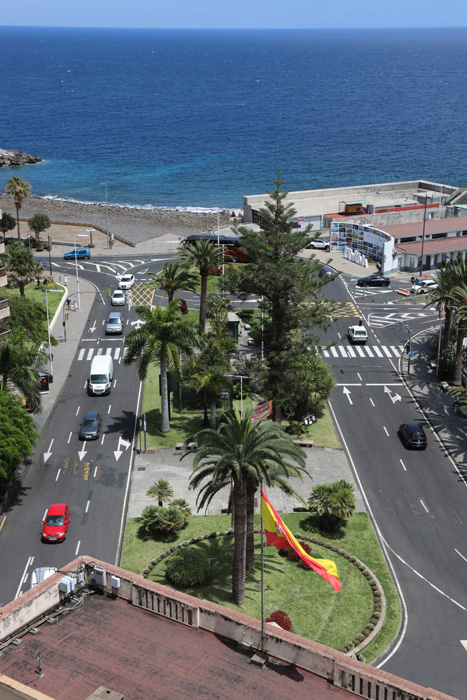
[316,611]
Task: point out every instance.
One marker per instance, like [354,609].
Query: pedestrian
[65,280]
[412,280]
[74,306]
[68,304]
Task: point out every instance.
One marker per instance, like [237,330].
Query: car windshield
[119,295]
[360,332]
[98,378]
[54,520]
[126,279]
[113,321]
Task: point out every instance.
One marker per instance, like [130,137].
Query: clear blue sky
[241,14]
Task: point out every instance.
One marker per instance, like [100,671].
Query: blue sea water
[199,118]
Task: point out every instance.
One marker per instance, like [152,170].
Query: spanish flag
[279,535]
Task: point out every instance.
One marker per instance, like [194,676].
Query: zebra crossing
[367,351]
[86,354]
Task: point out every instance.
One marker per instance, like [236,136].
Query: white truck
[101,375]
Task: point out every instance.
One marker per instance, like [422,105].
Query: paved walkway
[323,464]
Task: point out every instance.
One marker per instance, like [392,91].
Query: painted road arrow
[48,453]
[83,452]
[394,398]
[347,393]
[93,327]
[125,443]
[137,323]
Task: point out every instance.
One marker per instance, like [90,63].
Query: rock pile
[11,158]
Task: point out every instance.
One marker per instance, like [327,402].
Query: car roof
[415,427]
[127,274]
[115,314]
[91,414]
[118,291]
[56,508]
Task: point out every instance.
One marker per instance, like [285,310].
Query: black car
[326,271]
[412,436]
[376,280]
[90,426]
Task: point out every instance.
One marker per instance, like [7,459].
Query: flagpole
[262,572]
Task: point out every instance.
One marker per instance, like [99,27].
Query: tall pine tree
[289,286]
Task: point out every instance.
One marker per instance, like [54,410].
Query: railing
[3,304]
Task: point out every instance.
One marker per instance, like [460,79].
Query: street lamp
[241,377]
[408,345]
[50,291]
[80,235]
[90,231]
[427,196]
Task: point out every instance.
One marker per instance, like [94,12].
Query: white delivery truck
[100,378]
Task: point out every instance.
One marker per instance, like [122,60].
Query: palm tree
[205,257]
[240,451]
[20,265]
[161,490]
[173,276]
[449,277]
[18,362]
[333,502]
[459,298]
[19,189]
[161,339]
[206,373]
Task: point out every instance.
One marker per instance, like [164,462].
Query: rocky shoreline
[133,224]
[9,159]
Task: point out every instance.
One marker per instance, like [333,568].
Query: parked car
[412,436]
[78,254]
[126,281]
[91,425]
[357,334]
[114,324]
[319,243]
[425,287]
[376,280]
[40,262]
[118,298]
[55,523]
[326,271]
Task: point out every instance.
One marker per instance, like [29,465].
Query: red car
[55,523]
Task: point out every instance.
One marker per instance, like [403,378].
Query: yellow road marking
[3,522]
[87,466]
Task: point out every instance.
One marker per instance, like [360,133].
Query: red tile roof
[440,245]
[144,656]
[431,226]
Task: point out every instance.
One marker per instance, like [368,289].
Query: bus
[230,243]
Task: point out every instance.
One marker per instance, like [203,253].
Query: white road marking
[108,351]
[377,351]
[360,351]
[326,353]
[342,351]
[351,351]
[81,354]
[110,406]
[77,547]
[385,384]
[85,384]
[385,430]
[77,410]
[90,353]
[87,507]
[359,376]
[405,469]
[69,438]
[370,353]
[103,438]
[28,563]
[115,383]
[372,403]
[58,474]
[334,352]
[117,353]
[461,555]
[388,354]
[424,506]
[95,472]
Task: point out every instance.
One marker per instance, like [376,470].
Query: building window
[439,235]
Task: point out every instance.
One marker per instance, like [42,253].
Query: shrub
[157,520]
[295,428]
[188,567]
[292,554]
[280,618]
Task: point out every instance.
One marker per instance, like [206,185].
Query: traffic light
[44,379]
[67,316]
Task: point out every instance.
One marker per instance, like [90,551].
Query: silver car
[114,324]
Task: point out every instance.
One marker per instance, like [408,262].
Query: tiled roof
[458,223]
[439,245]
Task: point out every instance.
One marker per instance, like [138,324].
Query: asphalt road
[417,499]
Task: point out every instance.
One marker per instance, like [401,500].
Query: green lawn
[316,611]
[32,292]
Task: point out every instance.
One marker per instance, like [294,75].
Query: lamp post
[241,377]
[408,344]
[90,231]
[50,291]
[427,196]
[80,235]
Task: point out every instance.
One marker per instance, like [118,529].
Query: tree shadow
[318,526]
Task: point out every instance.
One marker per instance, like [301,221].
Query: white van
[100,378]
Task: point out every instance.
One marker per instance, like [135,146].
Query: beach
[130,223]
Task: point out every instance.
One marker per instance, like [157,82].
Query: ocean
[199,118]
